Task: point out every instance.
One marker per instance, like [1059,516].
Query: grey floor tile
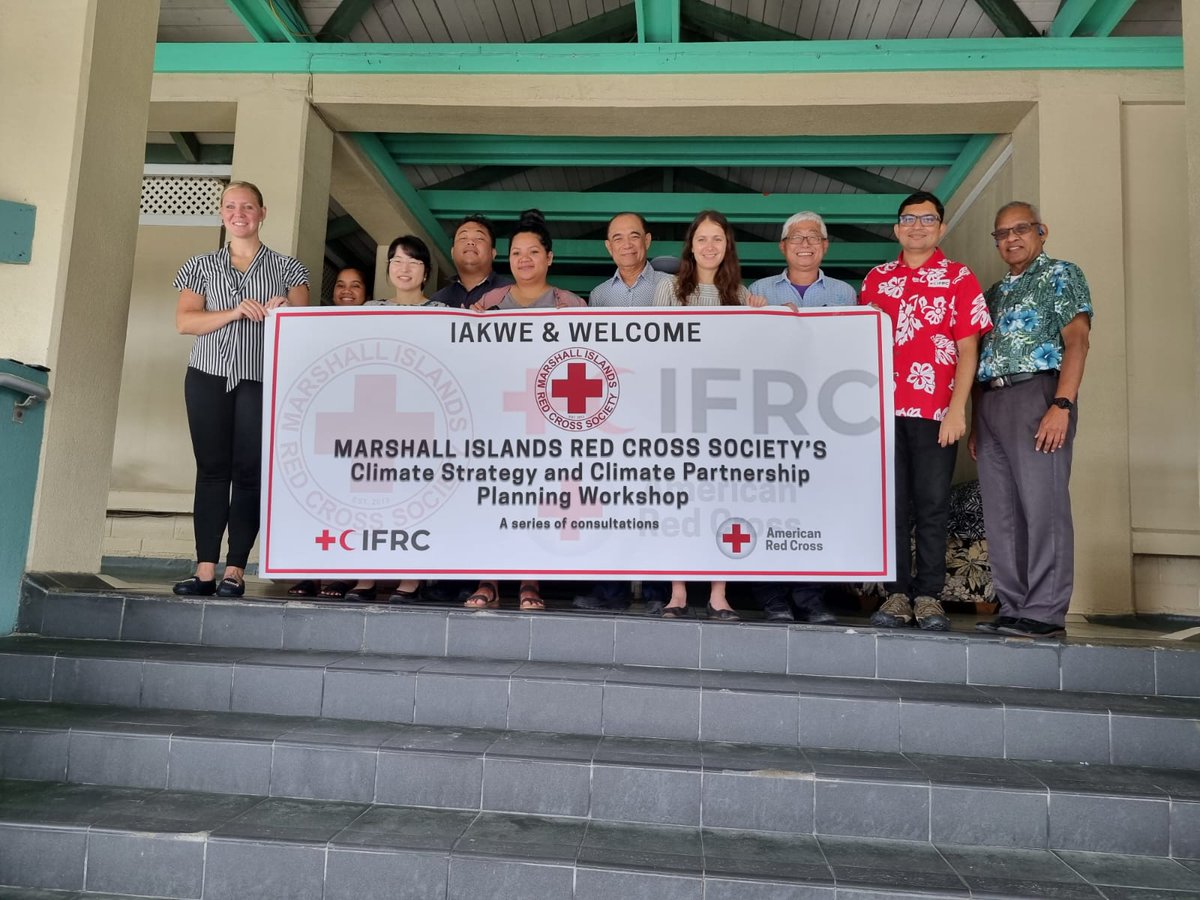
[83,616]
[277,690]
[767,856]
[493,879]
[657,643]
[727,715]
[396,875]
[148,865]
[850,723]
[872,809]
[1056,734]
[418,778]
[1014,663]
[716,888]
[235,624]
[532,838]
[416,632]
[654,796]
[369,696]
[1110,824]
[582,640]
[1118,670]
[735,757]
[176,812]
[672,713]
[634,751]
[26,676]
[605,884]
[1177,672]
[1185,829]
[1146,741]
[180,686]
[241,869]
[577,748]
[317,628]
[127,760]
[759,801]
[472,741]
[220,766]
[64,804]
[536,786]
[999,818]
[175,621]
[1131,871]
[911,659]
[747,648]
[42,856]
[571,707]
[655,848]
[277,819]
[323,773]
[110,682]
[946,728]
[488,635]
[410,828]
[981,862]
[831,652]
[477,702]
[25,753]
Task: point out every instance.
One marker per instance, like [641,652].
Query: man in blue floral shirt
[1030,368]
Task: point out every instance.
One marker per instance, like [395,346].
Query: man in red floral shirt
[938,315]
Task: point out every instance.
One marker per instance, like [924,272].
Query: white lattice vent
[181,195]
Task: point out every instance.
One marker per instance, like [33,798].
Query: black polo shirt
[454,294]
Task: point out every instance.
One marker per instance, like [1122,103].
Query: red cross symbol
[523,402]
[577,387]
[577,510]
[325,539]
[736,538]
[374,417]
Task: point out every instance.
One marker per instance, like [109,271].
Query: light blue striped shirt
[616,293]
[825,291]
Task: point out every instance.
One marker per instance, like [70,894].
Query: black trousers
[226,428]
[923,475]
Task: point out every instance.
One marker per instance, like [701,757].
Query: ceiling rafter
[373,149]
[703,16]
[1089,18]
[481,177]
[272,21]
[1008,17]
[188,145]
[343,20]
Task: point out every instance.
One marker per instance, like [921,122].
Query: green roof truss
[272,21]
[1008,17]
[1089,18]
[658,21]
[343,20]
[374,150]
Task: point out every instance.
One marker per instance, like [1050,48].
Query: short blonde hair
[252,188]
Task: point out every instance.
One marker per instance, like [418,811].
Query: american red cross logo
[735,537]
[577,388]
[325,539]
[374,417]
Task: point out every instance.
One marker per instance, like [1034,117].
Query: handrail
[24,386]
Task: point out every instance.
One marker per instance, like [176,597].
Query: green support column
[657,21]
[22,443]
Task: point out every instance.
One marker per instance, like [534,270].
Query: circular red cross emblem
[736,538]
[577,389]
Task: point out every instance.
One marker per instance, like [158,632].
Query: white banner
[634,444]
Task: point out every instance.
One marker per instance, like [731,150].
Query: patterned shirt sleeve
[1071,293]
[191,277]
[969,315]
[295,273]
[664,293]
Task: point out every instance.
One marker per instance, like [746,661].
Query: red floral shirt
[931,308]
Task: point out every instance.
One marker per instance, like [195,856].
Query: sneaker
[930,615]
[993,626]
[1032,628]
[896,612]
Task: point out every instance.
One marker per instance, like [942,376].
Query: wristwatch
[1062,403]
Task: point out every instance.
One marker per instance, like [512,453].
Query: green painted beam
[937,55]
[733,26]
[340,227]
[1008,17]
[187,145]
[576,252]
[588,206]
[658,21]
[374,150]
[862,179]
[1103,17]
[209,155]
[1069,15]
[272,21]
[473,179]
[343,20]
[536,150]
[17,221]
[610,26]
[971,154]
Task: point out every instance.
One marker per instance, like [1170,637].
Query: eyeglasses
[924,219]
[1020,230]
[401,262]
[801,240]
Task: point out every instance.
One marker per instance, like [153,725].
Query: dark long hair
[533,222]
[729,273]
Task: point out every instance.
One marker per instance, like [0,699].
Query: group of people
[1018,351]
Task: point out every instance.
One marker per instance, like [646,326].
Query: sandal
[486,596]
[530,597]
[361,595]
[306,588]
[334,590]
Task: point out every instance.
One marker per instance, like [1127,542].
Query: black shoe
[721,615]
[596,604]
[654,607]
[361,595]
[231,587]
[194,587]
[812,610]
[674,612]
[778,611]
[1032,628]
[405,596]
[994,626]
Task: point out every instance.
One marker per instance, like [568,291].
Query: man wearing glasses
[803,285]
[473,252]
[938,315]
[803,244]
[1030,369]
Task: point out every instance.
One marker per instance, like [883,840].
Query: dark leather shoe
[653,607]
[231,587]
[1032,628]
[194,587]
[674,612]
[722,615]
[596,604]
[813,611]
[994,626]
[778,612]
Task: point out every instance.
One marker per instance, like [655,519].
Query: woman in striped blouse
[223,300]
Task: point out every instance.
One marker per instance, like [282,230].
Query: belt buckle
[999,382]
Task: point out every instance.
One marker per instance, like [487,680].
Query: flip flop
[306,588]
[486,596]
[530,597]
[335,590]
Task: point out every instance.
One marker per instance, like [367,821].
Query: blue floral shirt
[1030,312]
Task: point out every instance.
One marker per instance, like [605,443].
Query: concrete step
[914,797]
[614,700]
[51,609]
[142,842]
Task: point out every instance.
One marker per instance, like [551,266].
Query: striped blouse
[235,351]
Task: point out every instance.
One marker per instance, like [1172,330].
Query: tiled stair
[159,747]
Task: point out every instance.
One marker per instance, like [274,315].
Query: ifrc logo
[577,389]
[736,538]
[373,539]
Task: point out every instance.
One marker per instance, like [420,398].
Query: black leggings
[226,429]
